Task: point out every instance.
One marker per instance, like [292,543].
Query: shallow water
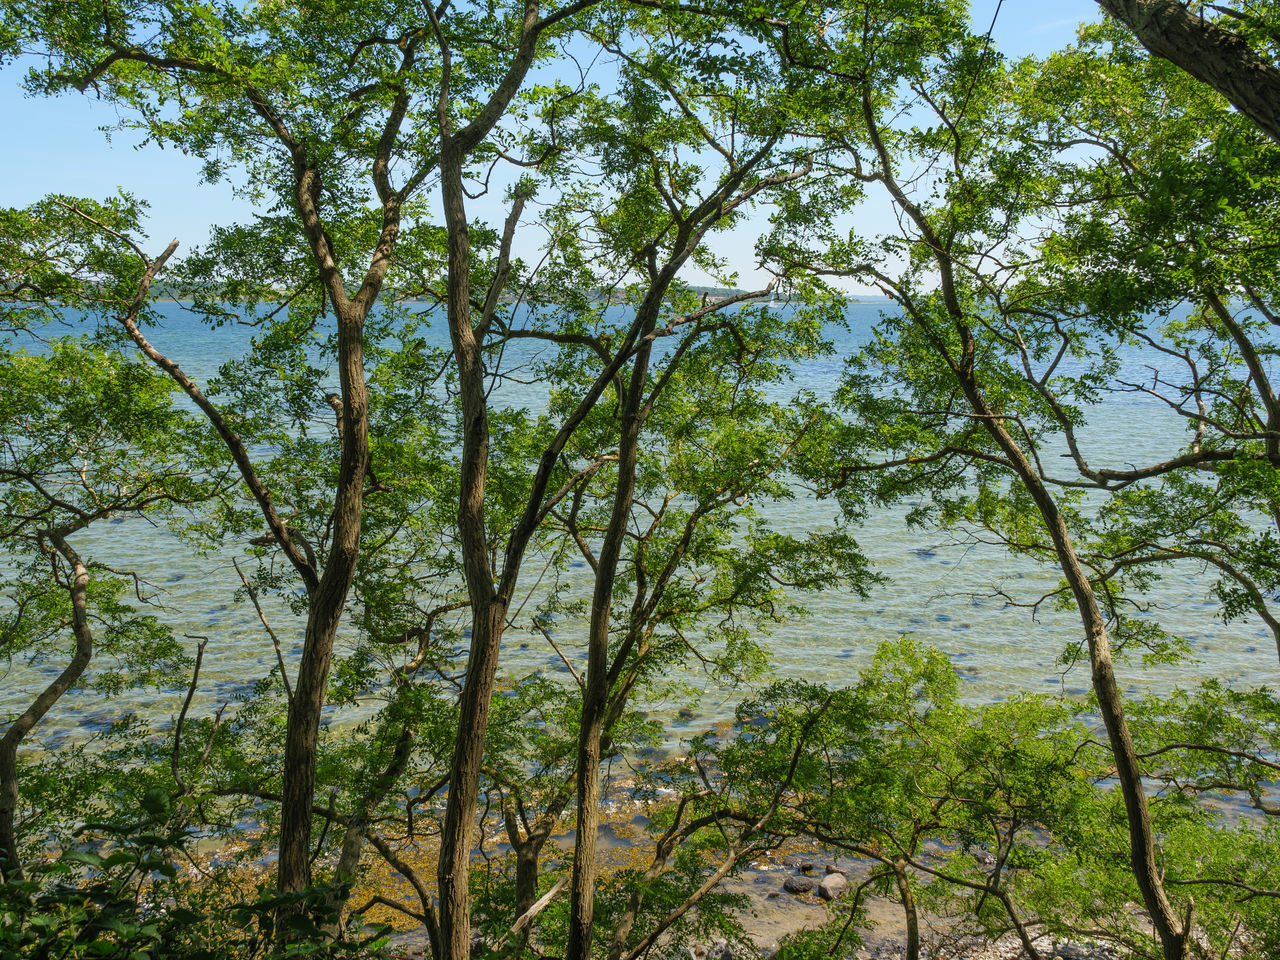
[941,589]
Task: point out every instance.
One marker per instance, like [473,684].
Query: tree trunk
[528,846]
[488,610]
[909,910]
[1208,52]
[464,783]
[10,863]
[490,598]
[527,875]
[1173,937]
[596,696]
[1142,846]
[353,838]
[327,602]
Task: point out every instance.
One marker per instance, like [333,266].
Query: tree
[1020,272]
[405,494]
[1211,363]
[722,133]
[90,435]
[257,89]
[254,87]
[1232,61]
[959,402]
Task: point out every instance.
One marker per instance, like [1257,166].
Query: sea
[968,598]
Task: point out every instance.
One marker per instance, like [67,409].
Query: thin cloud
[1056,25]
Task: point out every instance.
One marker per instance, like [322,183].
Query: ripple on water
[999,649]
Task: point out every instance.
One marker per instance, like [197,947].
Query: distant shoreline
[170,298]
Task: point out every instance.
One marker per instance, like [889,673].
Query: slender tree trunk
[528,852]
[490,598]
[1173,937]
[10,863]
[353,838]
[464,783]
[1142,845]
[327,602]
[582,891]
[596,697]
[1257,370]
[488,610]
[528,846]
[1020,928]
[299,769]
[527,874]
[908,909]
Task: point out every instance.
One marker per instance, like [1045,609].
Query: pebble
[1007,947]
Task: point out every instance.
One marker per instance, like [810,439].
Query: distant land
[172,292]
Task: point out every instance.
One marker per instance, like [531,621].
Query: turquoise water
[943,588]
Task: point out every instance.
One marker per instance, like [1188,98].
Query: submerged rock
[832,885]
[798,884]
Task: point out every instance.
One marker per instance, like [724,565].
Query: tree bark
[528,845]
[488,609]
[327,593]
[10,863]
[1257,371]
[490,595]
[909,910]
[1173,937]
[357,830]
[302,729]
[1142,852]
[24,723]
[464,782]
[596,695]
[597,711]
[1207,51]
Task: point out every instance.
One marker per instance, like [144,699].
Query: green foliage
[1004,814]
[1057,214]
[63,253]
[123,896]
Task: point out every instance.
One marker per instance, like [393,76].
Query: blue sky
[62,149]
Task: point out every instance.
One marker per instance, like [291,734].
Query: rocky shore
[798,887]
[792,890]
[797,891]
